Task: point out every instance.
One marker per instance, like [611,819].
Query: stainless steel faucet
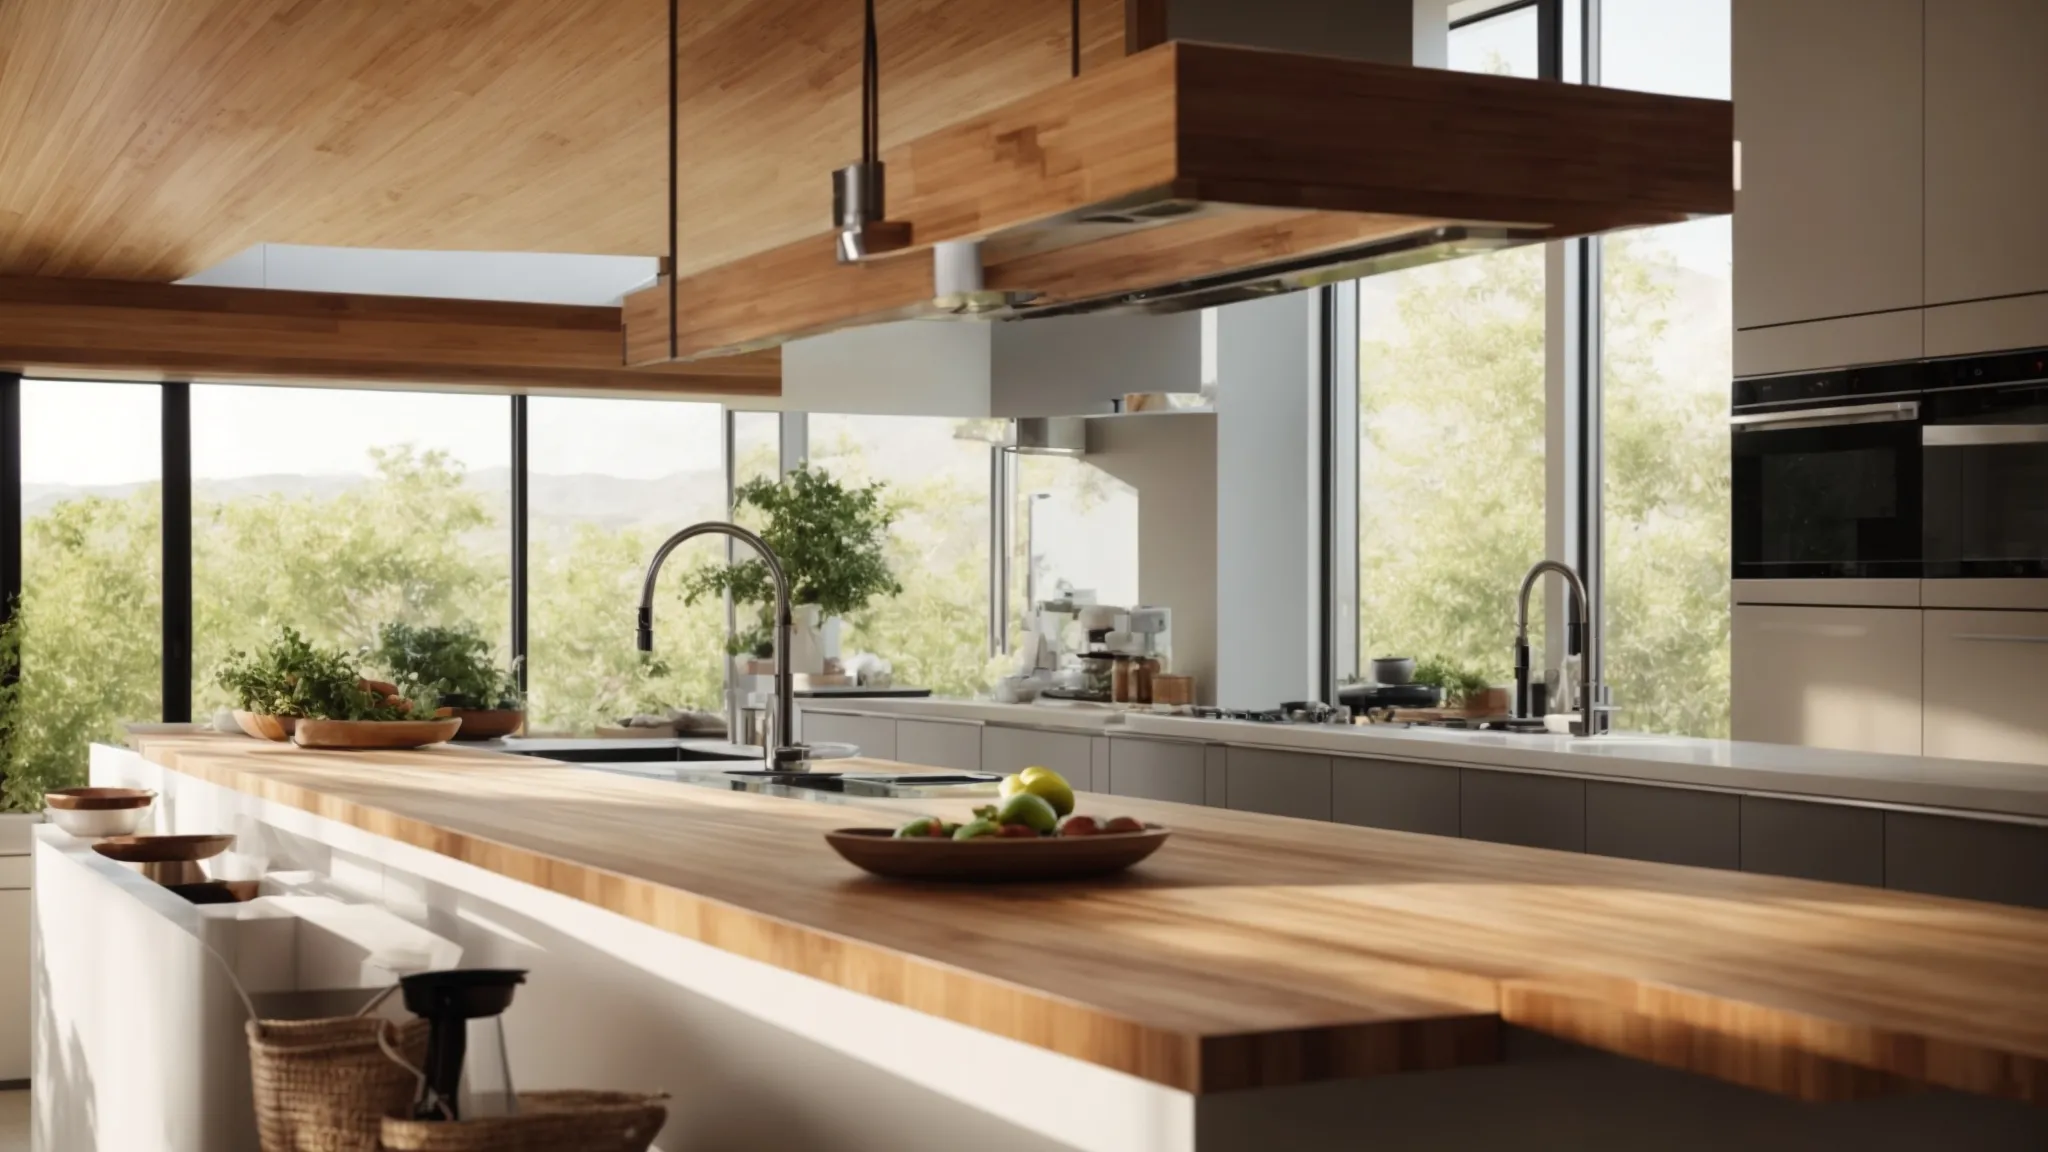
[783,752]
[1592,719]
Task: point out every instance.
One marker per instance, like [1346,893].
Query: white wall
[1171,461]
[1267,540]
[530,277]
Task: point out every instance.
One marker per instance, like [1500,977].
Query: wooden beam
[77,327]
[148,139]
[1075,190]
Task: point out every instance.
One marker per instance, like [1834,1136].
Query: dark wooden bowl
[489,723]
[98,799]
[347,735]
[262,727]
[994,859]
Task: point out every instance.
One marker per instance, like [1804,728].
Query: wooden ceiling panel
[769,98]
[147,139]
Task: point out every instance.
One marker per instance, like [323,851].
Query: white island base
[139,1036]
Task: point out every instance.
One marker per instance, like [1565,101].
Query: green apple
[922,828]
[978,829]
[1029,809]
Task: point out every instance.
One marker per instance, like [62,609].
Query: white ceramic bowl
[96,822]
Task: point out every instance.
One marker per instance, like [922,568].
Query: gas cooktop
[1299,712]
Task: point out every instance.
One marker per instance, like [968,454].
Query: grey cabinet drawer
[1969,859]
[1157,769]
[1813,841]
[1389,794]
[1514,808]
[1278,783]
[1667,825]
[1008,750]
[939,744]
[874,735]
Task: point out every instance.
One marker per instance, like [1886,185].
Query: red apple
[1018,832]
[1124,824]
[1079,825]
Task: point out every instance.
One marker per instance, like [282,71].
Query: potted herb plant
[831,539]
[455,668]
[1462,687]
[293,689]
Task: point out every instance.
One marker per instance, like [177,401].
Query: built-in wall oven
[1827,474]
[1932,469]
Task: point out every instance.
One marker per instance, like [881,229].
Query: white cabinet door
[939,744]
[1828,111]
[875,736]
[14,1013]
[1987,148]
[1845,678]
[1158,769]
[1985,675]
[1008,750]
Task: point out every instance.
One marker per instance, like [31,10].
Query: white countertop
[1973,785]
[1064,717]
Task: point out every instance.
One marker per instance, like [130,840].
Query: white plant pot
[17,832]
[807,642]
[830,634]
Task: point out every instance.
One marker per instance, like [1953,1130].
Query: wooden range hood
[1193,174]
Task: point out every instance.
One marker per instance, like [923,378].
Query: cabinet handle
[2000,638]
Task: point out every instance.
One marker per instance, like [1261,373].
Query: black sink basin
[623,752]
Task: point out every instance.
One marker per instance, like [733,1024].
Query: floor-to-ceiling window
[1074,528]
[92,549]
[1451,424]
[1665,304]
[935,634]
[607,482]
[334,511]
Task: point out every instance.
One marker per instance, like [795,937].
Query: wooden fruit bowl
[994,859]
[166,859]
[489,723]
[352,735]
[262,727]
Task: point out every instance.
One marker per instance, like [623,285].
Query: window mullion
[175,530]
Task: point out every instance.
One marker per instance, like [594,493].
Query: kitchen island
[1261,982]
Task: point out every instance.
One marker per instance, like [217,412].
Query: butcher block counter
[1251,952]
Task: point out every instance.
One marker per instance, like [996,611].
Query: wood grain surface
[71,327]
[1251,950]
[1187,125]
[148,139]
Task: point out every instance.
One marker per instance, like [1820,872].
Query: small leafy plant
[22,781]
[831,539]
[453,667]
[1459,683]
[293,677]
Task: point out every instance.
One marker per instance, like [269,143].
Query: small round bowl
[262,727]
[93,823]
[1394,670]
[92,799]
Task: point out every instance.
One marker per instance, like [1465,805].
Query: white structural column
[1268,502]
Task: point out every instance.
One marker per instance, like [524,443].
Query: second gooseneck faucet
[783,752]
[1592,714]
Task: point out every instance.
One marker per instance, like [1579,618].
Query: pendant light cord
[871,94]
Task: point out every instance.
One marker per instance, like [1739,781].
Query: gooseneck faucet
[1582,638]
[783,748]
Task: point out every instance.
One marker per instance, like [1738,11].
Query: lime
[1043,782]
[976,829]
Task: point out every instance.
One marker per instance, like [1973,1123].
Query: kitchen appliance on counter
[1934,469]
[1293,712]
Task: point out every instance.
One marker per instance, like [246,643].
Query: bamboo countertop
[1251,950]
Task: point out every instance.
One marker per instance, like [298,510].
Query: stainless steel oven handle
[1967,435]
[1893,413]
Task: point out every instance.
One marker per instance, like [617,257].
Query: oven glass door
[1985,459]
[1828,492]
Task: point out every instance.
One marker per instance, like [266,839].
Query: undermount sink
[659,751]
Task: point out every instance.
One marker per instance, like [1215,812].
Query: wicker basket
[324,1085]
[547,1122]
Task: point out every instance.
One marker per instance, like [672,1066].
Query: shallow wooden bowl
[993,859]
[262,727]
[489,723]
[162,849]
[98,799]
[345,735]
